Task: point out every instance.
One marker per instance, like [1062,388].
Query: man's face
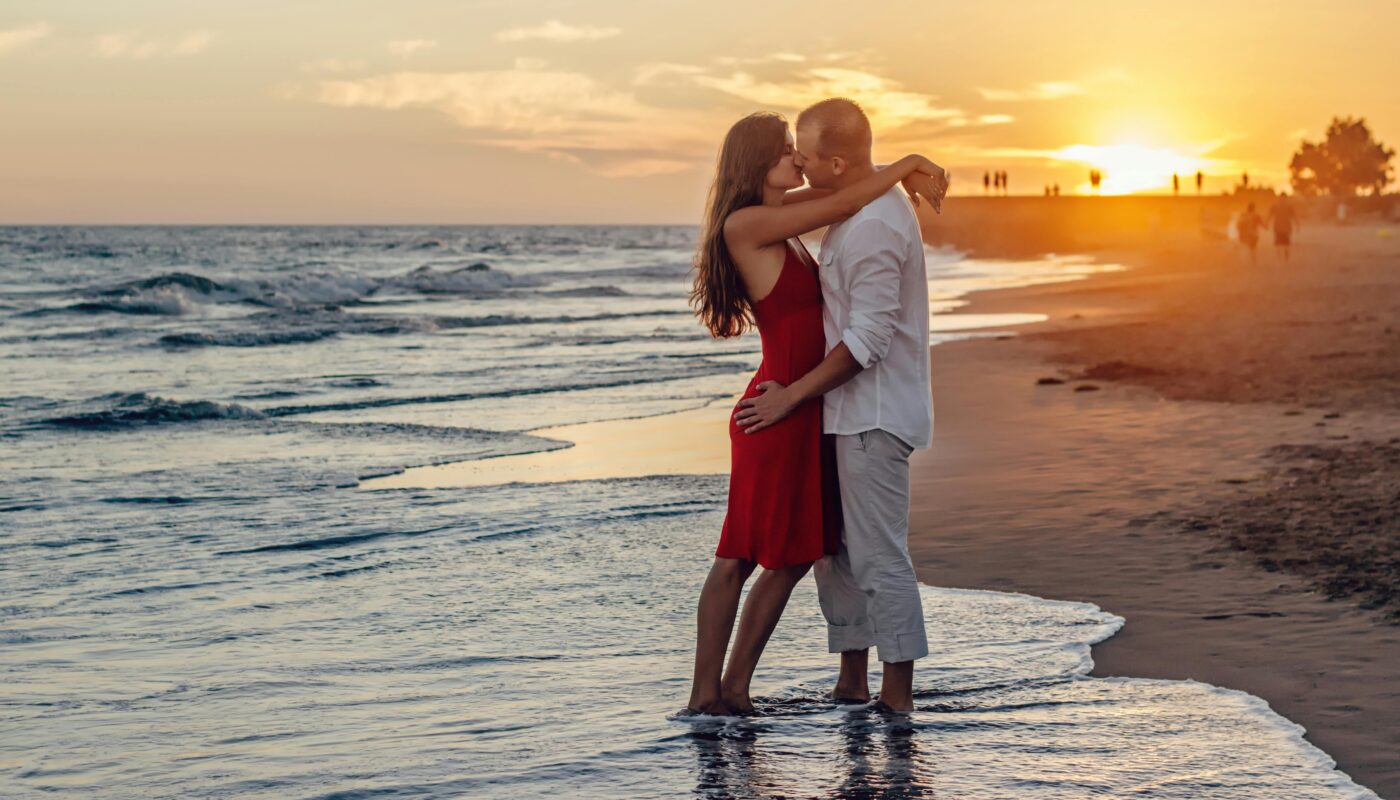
[819,171]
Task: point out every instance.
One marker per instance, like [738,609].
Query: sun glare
[1129,168]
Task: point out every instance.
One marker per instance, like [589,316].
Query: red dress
[784,505]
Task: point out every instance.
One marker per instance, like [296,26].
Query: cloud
[332,65]
[660,72]
[565,115]
[1048,90]
[403,48]
[1054,90]
[886,102]
[15,38]
[790,58]
[981,119]
[507,100]
[555,31]
[624,130]
[126,45]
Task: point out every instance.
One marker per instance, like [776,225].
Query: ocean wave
[474,279]
[588,291]
[343,540]
[181,293]
[305,288]
[496,320]
[339,287]
[312,325]
[165,300]
[140,408]
[244,338]
[652,272]
[185,280]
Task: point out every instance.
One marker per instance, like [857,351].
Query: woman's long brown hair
[751,148]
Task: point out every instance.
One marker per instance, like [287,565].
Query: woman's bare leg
[719,602]
[762,610]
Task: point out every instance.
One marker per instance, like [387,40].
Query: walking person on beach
[1247,226]
[877,402]
[752,270]
[1284,218]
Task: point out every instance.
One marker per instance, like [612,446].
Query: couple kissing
[820,440]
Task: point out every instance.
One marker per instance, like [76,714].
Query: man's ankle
[851,690]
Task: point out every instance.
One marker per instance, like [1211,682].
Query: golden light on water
[1129,168]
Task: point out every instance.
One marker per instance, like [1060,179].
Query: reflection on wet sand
[739,758]
[694,442]
[872,774]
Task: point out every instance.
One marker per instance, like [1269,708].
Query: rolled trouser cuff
[841,638]
[901,647]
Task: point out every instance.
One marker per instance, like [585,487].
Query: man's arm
[874,290]
[777,400]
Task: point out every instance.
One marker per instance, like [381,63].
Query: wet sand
[689,442]
[1214,483]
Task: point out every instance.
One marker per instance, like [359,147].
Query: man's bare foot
[849,694]
[738,702]
[712,708]
[902,709]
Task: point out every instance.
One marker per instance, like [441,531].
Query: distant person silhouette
[1247,226]
[1003,182]
[1176,183]
[1284,218]
[1057,190]
[986,182]
[1200,181]
[1244,181]
[1047,190]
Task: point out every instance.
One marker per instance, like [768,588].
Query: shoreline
[1113,493]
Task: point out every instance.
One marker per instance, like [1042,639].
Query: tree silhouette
[1344,163]
[1095,179]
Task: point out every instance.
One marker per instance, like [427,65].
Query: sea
[199,598]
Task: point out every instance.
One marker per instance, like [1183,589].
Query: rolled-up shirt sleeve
[871,252]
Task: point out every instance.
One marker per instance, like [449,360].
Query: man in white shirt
[877,402]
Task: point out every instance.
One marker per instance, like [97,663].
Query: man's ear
[838,165]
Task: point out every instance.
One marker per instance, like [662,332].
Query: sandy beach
[1207,448]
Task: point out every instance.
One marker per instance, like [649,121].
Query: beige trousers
[868,591]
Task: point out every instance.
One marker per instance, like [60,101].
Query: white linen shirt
[875,299]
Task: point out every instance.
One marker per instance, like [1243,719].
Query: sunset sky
[344,111]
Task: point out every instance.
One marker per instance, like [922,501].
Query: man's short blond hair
[842,129]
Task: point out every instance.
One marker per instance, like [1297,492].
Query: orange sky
[327,111]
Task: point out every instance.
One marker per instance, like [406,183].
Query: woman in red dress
[751,270]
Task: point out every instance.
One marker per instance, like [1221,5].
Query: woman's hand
[930,187]
[928,180]
[927,167]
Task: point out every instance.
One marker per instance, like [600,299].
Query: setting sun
[1131,168]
